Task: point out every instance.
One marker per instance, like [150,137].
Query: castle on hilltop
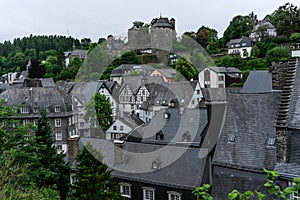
[159,35]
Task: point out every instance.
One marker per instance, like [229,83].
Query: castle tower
[162,34]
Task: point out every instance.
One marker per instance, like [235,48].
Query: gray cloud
[94,19]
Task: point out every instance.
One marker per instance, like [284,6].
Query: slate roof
[294,108]
[84,91]
[239,41]
[168,73]
[162,94]
[64,86]
[259,81]
[36,97]
[191,122]
[185,172]
[80,53]
[162,22]
[250,122]
[120,71]
[225,70]
[125,69]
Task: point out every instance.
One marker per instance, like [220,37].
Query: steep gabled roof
[249,126]
[192,121]
[185,172]
[259,81]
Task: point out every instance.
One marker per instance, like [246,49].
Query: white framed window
[295,195]
[25,122]
[24,109]
[172,195]
[125,190]
[58,136]
[57,109]
[57,122]
[35,122]
[148,193]
[59,148]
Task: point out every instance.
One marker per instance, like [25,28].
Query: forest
[49,50]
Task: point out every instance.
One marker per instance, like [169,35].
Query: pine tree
[93,179]
[52,170]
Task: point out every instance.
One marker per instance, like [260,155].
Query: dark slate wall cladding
[293,147]
[227,179]
[160,191]
[294,108]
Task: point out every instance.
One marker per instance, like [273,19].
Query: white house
[110,89]
[241,46]
[262,29]
[219,77]
[118,129]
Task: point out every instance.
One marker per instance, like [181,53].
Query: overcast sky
[99,18]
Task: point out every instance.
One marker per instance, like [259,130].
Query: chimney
[119,148]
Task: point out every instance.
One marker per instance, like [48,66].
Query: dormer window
[36,109]
[231,138]
[159,135]
[271,141]
[155,165]
[186,137]
[167,115]
[57,108]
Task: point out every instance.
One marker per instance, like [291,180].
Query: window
[35,122]
[70,121]
[231,138]
[57,108]
[25,122]
[271,141]
[148,194]
[59,147]
[296,194]
[186,137]
[221,78]
[58,136]
[155,165]
[174,195]
[36,109]
[206,75]
[159,135]
[221,85]
[114,136]
[114,128]
[24,109]
[121,128]
[81,124]
[125,190]
[167,115]
[57,123]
